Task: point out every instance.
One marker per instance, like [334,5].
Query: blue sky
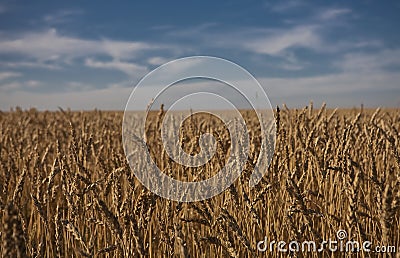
[90,55]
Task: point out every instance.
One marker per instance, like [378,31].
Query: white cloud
[333,84]
[17,85]
[331,14]
[7,75]
[276,43]
[51,50]
[368,43]
[50,45]
[32,83]
[157,60]
[281,42]
[346,45]
[121,85]
[335,89]
[360,72]
[363,77]
[62,16]
[131,69]
[292,67]
[283,6]
[370,62]
[306,34]
[79,86]
[38,64]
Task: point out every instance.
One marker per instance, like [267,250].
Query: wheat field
[66,189]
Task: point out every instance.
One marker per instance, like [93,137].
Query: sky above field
[91,55]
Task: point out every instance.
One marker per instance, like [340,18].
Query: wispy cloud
[339,83]
[7,75]
[30,64]
[366,63]
[292,66]
[131,69]
[54,51]
[79,86]
[19,85]
[283,42]
[279,41]
[348,89]
[283,6]
[360,77]
[157,60]
[309,34]
[310,48]
[50,45]
[333,13]
[62,16]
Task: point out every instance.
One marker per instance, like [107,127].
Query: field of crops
[66,189]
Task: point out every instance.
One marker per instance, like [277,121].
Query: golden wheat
[66,189]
